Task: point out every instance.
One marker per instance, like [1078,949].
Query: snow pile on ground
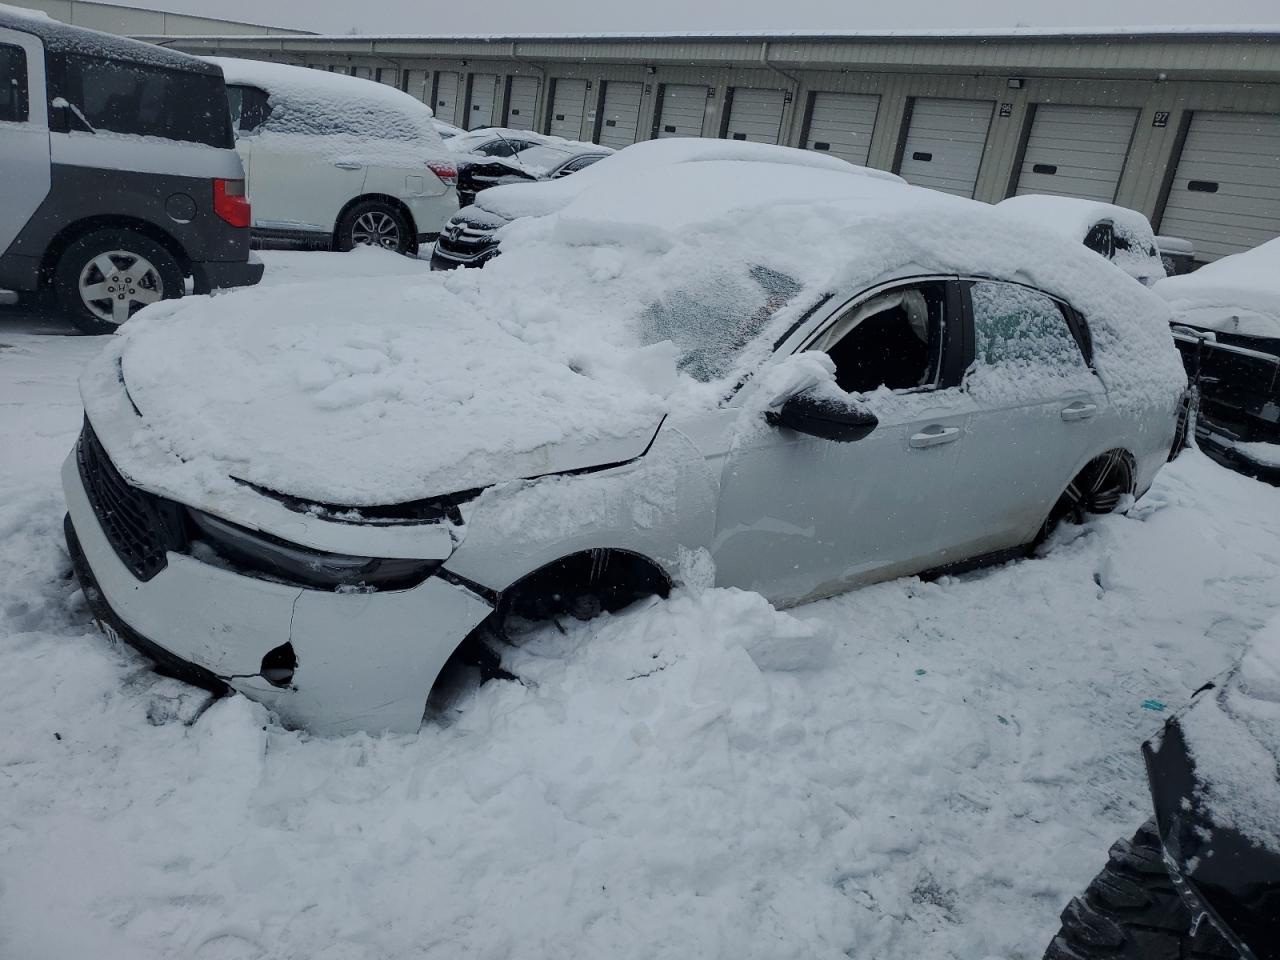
[912,770]
[338,114]
[1070,217]
[1237,294]
[1234,739]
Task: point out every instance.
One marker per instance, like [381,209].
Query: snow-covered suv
[337,160]
[790,380]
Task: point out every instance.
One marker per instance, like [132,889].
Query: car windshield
[543,157]
[712,323]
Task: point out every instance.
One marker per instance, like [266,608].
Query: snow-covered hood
[307,391]
[1237,294]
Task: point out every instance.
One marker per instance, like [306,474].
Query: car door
[24,133]
[801,517]
[1036,406]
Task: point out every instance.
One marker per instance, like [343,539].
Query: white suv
[338,160]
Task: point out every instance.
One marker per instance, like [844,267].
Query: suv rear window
[143,100]
[13,83]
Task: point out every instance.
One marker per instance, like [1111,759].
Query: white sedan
[787,380]
[338,161]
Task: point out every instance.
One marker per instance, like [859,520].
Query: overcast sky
[566,16]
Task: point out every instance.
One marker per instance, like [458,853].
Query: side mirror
[824,418]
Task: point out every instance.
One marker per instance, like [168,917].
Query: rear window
[143,100]
[13,83]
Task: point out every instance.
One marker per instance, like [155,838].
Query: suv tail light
[230,203]
[447,172]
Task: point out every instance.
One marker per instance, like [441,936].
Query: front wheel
[375,223]
[1131,911]
[107,276]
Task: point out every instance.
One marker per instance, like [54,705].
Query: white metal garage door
[755,115]
[1076,151]
[569,102]
[944,144]
[842,123]
[484,88]
[1225,196]
[364,73]
[682,110]
[446,105]
[389,76]
[621,114]
[418,84]
[523,103]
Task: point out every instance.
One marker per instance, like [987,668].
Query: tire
[375,223]
[1188,410]
[1131,911]
[129,270]
[1097,489]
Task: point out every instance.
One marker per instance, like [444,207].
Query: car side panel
[301,183]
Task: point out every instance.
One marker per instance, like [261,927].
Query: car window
[500,148]
[144,100]
[1019,330]
[573,166]
[13,83]
[893,340]
[249,108]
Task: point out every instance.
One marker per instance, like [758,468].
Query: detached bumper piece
[167,664]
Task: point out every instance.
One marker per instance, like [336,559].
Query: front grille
[140,527]
[465,238]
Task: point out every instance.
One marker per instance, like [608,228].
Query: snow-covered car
[498,142]
[648,390]
[338,161]
[1121,235]
[1227,324]
[117,175]
[543,161]
[1202,878]
[470,237]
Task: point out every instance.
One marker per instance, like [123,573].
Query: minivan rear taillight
[230,203]
[447,172]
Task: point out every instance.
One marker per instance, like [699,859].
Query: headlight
[251,552]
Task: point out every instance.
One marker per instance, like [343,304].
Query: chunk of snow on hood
[1234,740]
[1237,294]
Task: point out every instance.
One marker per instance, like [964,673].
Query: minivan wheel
[107,276]
[374,223]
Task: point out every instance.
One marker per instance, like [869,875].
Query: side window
[1020,331]
[893,340]
[13,84]
[249,108]
[573,166]
[498,148]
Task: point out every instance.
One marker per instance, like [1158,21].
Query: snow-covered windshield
[711,324]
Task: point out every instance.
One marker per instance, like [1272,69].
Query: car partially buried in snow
[1227,325]
[649,387]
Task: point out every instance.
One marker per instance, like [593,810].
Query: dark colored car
[1201,880]
[118,173]
[538,161]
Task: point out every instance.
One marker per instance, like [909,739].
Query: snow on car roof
[1237,294]
[60,37]
[359,392]
[319,103]
[532,200]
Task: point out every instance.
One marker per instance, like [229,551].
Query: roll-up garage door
[417,83]
[568,103]
[446,103]
[522,103]
[364,73]
[944,144]
[484,87]
[681,110]
[1225,195]
[842,123]
[755,115]
[389,76]
[1076,151]
[621,115]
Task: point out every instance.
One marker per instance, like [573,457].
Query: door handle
[934,436]
[347,165]
[1079,411]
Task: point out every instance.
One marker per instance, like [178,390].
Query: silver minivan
[121,179]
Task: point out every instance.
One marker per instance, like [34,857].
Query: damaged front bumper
[362,661]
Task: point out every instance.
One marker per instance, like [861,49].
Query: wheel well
[385,198]
[613,577]
[74,231]
[1072,500]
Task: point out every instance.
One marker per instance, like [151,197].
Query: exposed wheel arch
[1097,488]
[386,198]
[74,231]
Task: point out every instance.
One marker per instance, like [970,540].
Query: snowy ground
[915,770]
